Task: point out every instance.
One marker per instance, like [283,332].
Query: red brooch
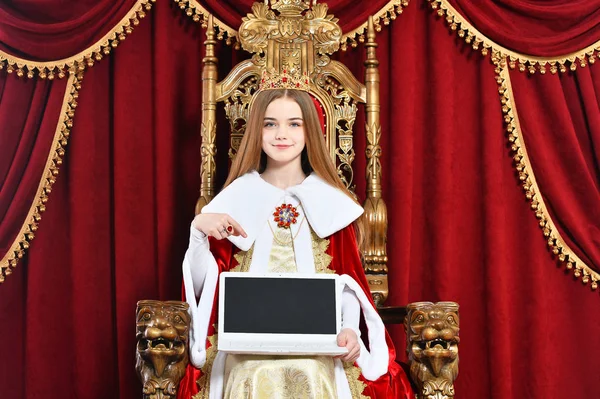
[285,215]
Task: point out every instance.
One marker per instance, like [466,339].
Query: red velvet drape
[52,30]
[541,28]
[460,228]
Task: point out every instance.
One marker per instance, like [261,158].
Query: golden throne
[299,36]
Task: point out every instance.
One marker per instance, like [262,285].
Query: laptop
[280,314]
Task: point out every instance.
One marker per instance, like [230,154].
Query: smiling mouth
[281,146]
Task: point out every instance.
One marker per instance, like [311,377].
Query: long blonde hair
[314,157]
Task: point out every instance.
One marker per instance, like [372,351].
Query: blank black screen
[279,305]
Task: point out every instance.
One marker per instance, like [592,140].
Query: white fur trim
[199,256]
[250,201]
[216,376]
[373,363]
[341,381]
[328,209]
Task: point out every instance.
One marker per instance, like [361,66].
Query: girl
[284,209]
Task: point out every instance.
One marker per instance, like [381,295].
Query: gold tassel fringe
[84,59]
[57,152]
[524,63]
[555,242]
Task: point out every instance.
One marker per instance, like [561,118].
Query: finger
[354,354]
[237,229]
[350,356]
[342,340]
[223,232]
[216,234]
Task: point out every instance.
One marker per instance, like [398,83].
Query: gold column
[374,249]
[209,124]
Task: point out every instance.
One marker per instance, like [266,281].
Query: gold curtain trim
[532,192]
[53,162]
[86,58]
[523,62]
[385,15]
[198,13]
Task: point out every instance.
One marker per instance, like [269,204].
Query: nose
[281,133]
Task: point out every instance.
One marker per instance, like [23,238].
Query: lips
[282,146]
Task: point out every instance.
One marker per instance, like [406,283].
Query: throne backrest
[299,36]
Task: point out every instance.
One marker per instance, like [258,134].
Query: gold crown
[290,7]
[272,80]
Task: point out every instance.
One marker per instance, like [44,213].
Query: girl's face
[283,132]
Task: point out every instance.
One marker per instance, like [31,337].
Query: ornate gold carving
[378,285]
[315,26]
[48,177]
[357,387]
[432,346]
[204,380]
[524,62]
[209,120]
[345,115]
[554,240]
[85,58]
[237,108]
[208,169]
[162,346]
[374,246]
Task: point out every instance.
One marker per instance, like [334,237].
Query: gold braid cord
[532,192]
[57,152]
[523,62]
[384,16]
[86,58]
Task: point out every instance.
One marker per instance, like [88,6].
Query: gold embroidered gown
[280,377]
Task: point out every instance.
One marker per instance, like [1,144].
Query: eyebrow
[290,119]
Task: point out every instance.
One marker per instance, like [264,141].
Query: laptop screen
[279,305]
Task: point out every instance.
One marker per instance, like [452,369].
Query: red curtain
[560,119]
[460,228]
[540,28]
[52,30]
[29,111]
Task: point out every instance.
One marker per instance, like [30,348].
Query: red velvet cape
[345,260]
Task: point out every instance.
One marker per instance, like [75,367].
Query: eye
[145,316]
[451,320]
[295,124]
[177,319]
[269,124]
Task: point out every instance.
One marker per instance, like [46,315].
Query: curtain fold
[559,118]
[29,115]
[544,29]
[45,31]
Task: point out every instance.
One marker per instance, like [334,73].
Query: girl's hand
[218,225]
[347,337]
